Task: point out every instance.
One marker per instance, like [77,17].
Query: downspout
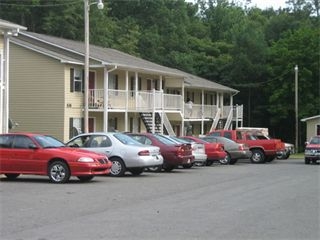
[162,104]
[127,100]
[5,86]
[182,125]
[106,97]
[202,111]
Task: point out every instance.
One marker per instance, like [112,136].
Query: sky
[263,4]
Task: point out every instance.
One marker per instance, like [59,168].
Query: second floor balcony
[157,101]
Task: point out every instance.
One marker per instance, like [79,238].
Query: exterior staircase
[148,122]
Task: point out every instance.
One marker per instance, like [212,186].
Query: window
[22,142]
[76,80]
[75,126]
[5,141]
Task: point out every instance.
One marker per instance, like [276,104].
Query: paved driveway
[278,200]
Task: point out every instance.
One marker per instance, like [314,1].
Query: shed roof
[310,118]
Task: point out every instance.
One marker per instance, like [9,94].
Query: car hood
[313,146]
[76,151]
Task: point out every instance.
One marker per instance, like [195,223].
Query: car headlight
[85,159]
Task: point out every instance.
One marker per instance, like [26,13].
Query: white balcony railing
[148,101]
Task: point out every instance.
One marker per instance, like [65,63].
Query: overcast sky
[263,4]
[268,3]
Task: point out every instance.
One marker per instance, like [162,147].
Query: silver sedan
[125,153]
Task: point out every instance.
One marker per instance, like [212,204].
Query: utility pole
[296,109]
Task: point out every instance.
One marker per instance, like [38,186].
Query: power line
[40,4]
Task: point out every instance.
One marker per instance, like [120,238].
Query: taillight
[144,153]
[180,150]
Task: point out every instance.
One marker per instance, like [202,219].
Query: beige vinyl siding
[312,127]
[37,94]
[74,102]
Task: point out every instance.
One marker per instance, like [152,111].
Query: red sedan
[214,151]
[174,154]
[28,153]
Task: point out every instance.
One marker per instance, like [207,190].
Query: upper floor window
[76,80]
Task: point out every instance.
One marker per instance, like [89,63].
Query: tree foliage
[250,49]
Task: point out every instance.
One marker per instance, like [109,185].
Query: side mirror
[33,146]
[306,143]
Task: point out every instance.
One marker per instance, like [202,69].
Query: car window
[227,135]
[125,139]
[23,142]
[81,141]
[6,141]
[239,135]
[46,141]
[315,140]
[97,141]
[164,140]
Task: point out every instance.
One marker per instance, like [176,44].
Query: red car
[312,150]
[214,151]
[28,153]
[174,154]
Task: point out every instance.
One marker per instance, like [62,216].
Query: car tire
[270,158]
[12,176]
[226,160]
[118,167]
[136,171]
[85,178]
[257,156]
[307,161]
[209,162]
[233,161]
[187,166]
[155,169]
[168,168]
[58,172]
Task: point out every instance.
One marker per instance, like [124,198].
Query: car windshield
[315,140]
[48,141]
[164,140]
[125,139]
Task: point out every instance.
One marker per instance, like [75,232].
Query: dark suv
[312,150]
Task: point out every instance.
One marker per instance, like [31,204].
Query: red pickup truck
[263,150]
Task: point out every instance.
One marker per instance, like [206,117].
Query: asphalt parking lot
[278,200]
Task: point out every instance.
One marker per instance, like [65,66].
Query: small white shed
[313,126]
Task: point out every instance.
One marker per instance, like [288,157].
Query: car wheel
[270,159]
[168,168]
[187,165]
[136,171]
[307,161]
[225,160]
[12,176]
[155,169]
[85,178]
[59,172]
[209,162]
[118,168]
[233,161]
[257,156]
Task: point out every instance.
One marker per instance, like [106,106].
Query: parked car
[28,153]
[215,151]
[234,150]
[198,151]
[174,154]
[125,153]
[289,149]
[263,150]
[312,150]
